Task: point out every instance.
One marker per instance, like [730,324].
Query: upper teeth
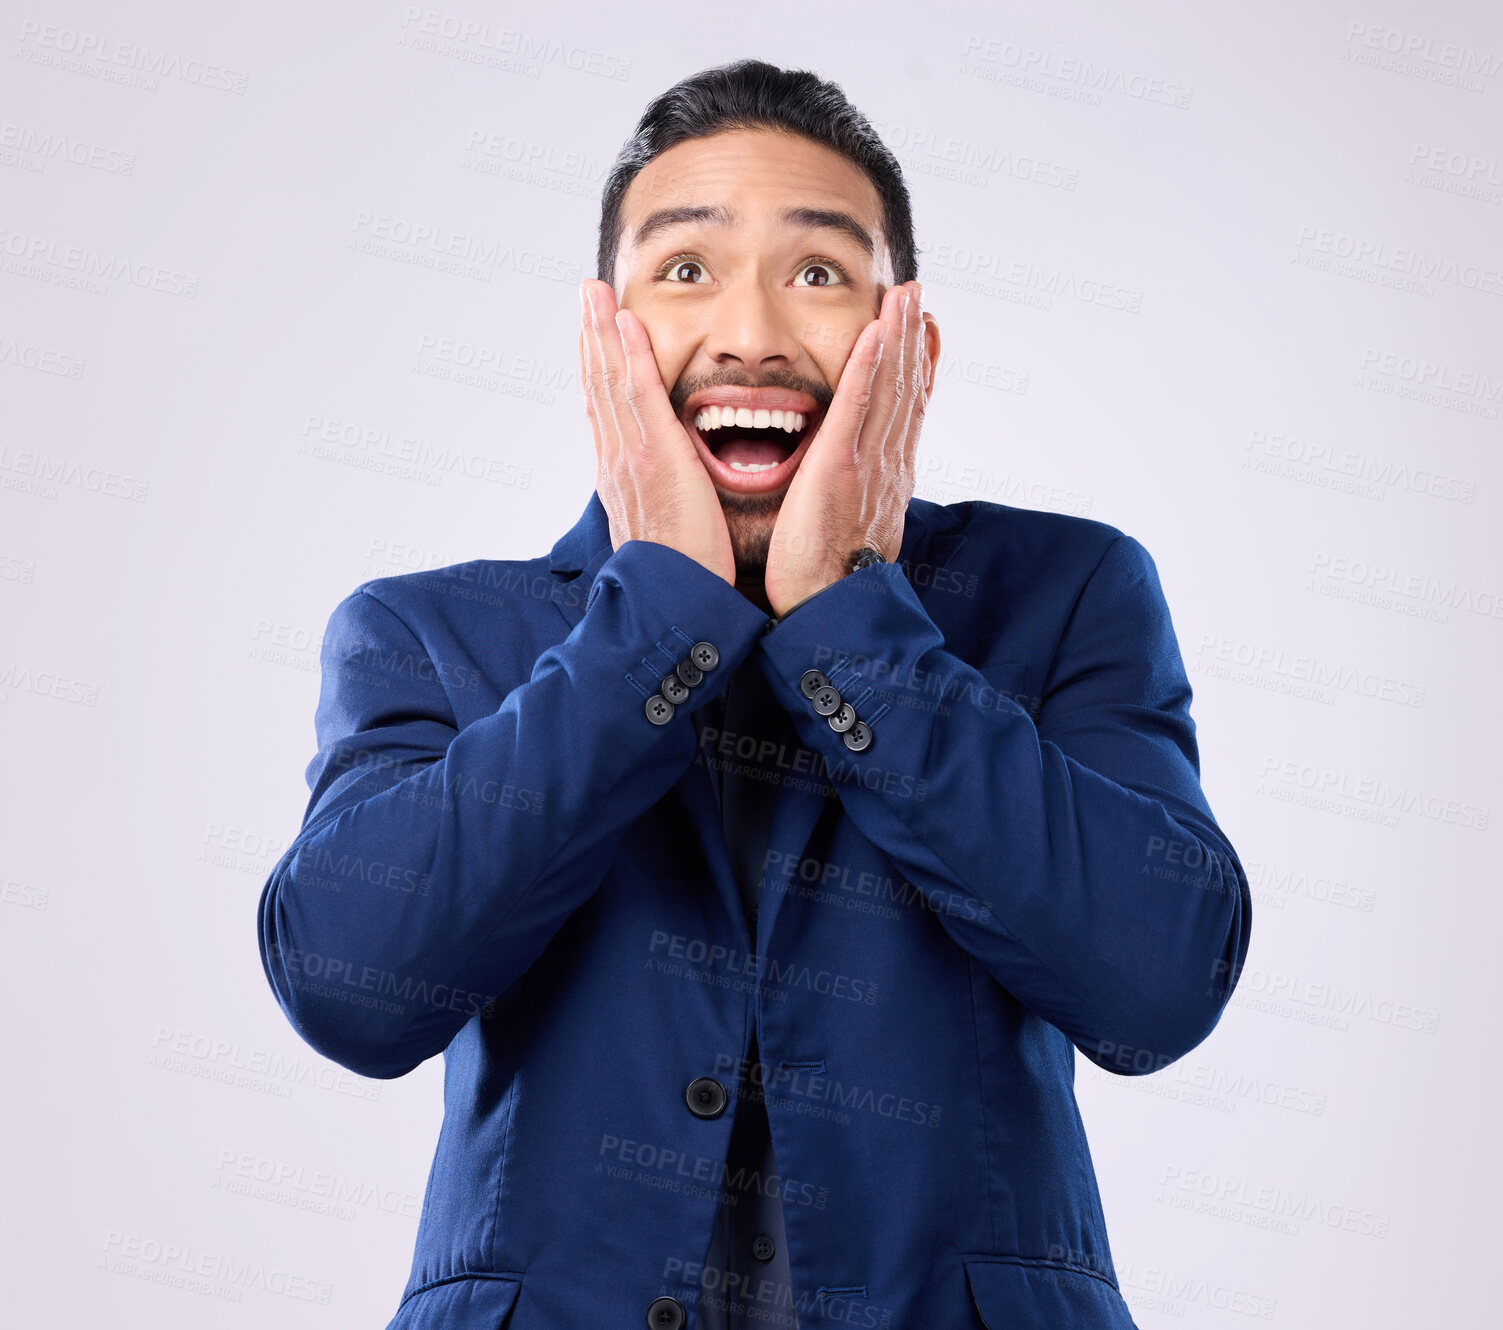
[713,417]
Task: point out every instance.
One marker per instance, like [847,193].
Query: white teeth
[753,466]
[713,417]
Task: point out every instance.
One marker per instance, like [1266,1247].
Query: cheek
[833,360]
[670,349]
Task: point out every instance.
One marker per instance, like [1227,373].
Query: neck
[754,591]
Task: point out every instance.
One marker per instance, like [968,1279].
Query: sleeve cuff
[850,655]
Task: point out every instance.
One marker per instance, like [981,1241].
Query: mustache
[734,378]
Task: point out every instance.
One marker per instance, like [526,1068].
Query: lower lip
[752,482]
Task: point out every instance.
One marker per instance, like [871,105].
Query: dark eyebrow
[715,214]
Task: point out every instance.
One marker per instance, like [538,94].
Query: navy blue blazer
[990,848]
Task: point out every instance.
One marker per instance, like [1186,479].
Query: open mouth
[752,449]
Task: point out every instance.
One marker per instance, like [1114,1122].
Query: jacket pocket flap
[1012,1293]
[467,1302]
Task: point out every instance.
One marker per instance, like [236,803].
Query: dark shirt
[746,1279]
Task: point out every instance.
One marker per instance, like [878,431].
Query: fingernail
[920,287]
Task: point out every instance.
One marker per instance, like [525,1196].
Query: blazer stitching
[986,1157]
[454,1279]
[511,1122]
[407,628]
[1027,1262]
[842,1291]
[1070,617]
[644,691]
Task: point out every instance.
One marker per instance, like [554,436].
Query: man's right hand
[648,475]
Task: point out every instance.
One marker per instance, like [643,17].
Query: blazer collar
[929,535]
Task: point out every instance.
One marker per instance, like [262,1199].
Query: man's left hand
[853,486]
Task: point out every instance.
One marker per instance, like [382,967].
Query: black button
[704,655]
[827,701]
[674,688]
[659,709]
[762,1247]
[842,718]
[665,1314]
[706,1097]
[859,737]
[811,681]
[689,672]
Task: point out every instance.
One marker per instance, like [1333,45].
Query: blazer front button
[659,709]
[827,701]
[706,1097]
[704,655]
[842,718]
[665,1314]
[811,681]
[674,688]
[859,737]
[762,1247]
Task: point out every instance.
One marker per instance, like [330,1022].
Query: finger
[846,417]
[592,367]
[645,393]
[607,364]
[924,369]
[910,376]
[608,478]
[885,395]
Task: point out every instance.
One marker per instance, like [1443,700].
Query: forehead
[753,173]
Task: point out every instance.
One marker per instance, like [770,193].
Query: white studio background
[1225,277]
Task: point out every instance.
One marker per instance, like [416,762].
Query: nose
[750,324]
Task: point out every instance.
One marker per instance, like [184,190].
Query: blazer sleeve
[1076,857]
[434,863]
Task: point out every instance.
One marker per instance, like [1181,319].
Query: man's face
[764,305]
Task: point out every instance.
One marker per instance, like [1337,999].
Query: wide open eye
[834,275]
[672,270]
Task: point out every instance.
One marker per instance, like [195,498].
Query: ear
[931,352]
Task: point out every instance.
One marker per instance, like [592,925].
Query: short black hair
[752,94]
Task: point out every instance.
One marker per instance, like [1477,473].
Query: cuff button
[704,655]
[689,672]
[842,718]
[811,681]
[659,709]
[674,688]
[859,737]
[827,701]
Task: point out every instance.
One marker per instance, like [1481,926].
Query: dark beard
[750,518]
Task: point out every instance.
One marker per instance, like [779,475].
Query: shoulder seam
[1064,628]
[364,590]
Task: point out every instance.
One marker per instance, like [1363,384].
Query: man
[759,858]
